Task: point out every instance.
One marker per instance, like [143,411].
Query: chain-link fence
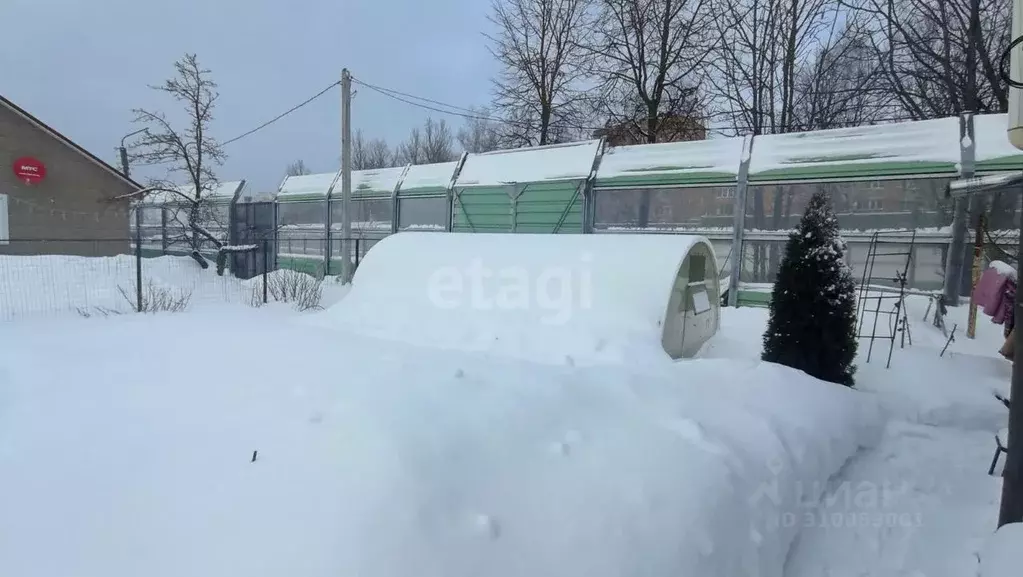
[105,277]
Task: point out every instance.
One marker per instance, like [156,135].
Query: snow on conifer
[812,325]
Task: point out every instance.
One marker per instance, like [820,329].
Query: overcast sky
[81,66]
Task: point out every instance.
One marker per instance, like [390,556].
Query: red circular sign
[29,169]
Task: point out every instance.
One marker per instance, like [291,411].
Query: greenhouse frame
[743,193]
[160,216]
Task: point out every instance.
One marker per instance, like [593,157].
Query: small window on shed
[697,268]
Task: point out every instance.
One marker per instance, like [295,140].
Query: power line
[280,116]
[261,126]
[391,91]
[473,115]
[396,95]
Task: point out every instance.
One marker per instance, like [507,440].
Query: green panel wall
[538,209]
[542,206]
[482,209]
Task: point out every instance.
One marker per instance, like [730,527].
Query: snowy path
[917,505]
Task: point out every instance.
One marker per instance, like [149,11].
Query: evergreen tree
[812,326]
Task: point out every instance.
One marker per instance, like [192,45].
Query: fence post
[266,259]
[953,281]
[138,258]
[739,222]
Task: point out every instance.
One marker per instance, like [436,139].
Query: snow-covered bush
[812,326]
[288,286]
[156,299]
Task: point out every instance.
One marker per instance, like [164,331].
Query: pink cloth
[1003,314]
[990,291]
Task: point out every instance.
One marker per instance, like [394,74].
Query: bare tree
[939,57]
[650,56]
[359,151]
[190,152]
[412,151]
[479,133]
[539,45]
[378,154]
[438,143]
[369,154]
[842,83]
[298,168]
[762,45]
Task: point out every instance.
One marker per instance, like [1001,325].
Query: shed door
[697,310]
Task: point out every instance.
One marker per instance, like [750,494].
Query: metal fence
[105,277]
[746,216]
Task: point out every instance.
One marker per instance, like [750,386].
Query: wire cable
[1004,61]
[414,97]
[261,126]
[280,116]
[403,97]
[471,114]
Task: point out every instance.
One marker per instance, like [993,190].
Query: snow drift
[1002,555]
[384,460]
[576,299]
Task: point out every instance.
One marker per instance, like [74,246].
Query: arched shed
[551,298]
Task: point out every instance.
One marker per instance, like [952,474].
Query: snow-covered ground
[61,286]
[920,503]
[121,454]
[254,441]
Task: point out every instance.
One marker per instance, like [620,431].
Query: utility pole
[138,222]
[346,176]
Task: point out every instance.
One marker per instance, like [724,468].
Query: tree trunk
[645,194]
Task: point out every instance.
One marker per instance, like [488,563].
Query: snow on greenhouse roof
[715,160]
[428,177]
[377,181]
[922,147]
[994,151]
[262,196]
[222,192]
[573,161]
[306,186]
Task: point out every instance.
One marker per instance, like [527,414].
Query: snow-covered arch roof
[428,178]
[223,192]
[373,182]
[307,186]
[994,152]
[551,163]
[544,297]
[714,161]
[923,147]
